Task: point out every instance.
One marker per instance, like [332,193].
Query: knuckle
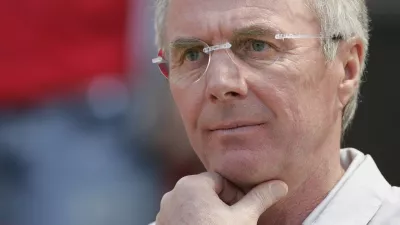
[186,182]
[264,197]
[183,181]
[165,198]
[210,174]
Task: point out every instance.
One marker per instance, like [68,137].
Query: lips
[235,125]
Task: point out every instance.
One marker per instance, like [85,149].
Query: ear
[353,56]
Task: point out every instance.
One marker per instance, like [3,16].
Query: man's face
[253,124]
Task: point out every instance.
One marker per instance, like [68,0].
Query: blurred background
[89,134]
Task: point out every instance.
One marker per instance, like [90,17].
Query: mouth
[236,126]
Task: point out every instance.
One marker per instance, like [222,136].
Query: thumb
[260,198]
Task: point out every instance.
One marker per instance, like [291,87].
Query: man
[266,89]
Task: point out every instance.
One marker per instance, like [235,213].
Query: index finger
[226,191]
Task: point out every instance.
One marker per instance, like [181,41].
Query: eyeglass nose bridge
[210,49]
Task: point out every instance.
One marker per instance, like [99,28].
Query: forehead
[215,20]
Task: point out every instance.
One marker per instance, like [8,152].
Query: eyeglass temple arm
[207,50]
[296,36]
[158,60]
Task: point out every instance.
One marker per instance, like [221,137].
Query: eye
[253,47]
[192,55]
[258,46]
[255,51]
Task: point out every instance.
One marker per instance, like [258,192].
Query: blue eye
[255,51]
[258,46]
[192,55]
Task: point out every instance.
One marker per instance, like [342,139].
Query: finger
[207,179]
[165,199]
[261,197]
[230,194]
[212,180]
[226,191]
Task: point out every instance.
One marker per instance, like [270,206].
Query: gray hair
[345,18]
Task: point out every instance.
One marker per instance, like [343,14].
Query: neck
[306,194]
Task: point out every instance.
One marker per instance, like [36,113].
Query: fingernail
[278,190]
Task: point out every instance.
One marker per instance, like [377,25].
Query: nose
[224,80]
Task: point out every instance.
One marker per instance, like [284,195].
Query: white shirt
[361,197]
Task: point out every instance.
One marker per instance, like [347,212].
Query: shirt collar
[356,197]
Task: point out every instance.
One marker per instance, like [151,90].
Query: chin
[244,168]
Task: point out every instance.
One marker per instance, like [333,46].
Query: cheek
[282,95]
[297,99]
[316,102]
[279,93]
[188,101]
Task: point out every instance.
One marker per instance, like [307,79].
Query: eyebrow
[255,31]
[249,31]
[184,43]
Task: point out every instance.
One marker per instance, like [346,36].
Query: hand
[209,199]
